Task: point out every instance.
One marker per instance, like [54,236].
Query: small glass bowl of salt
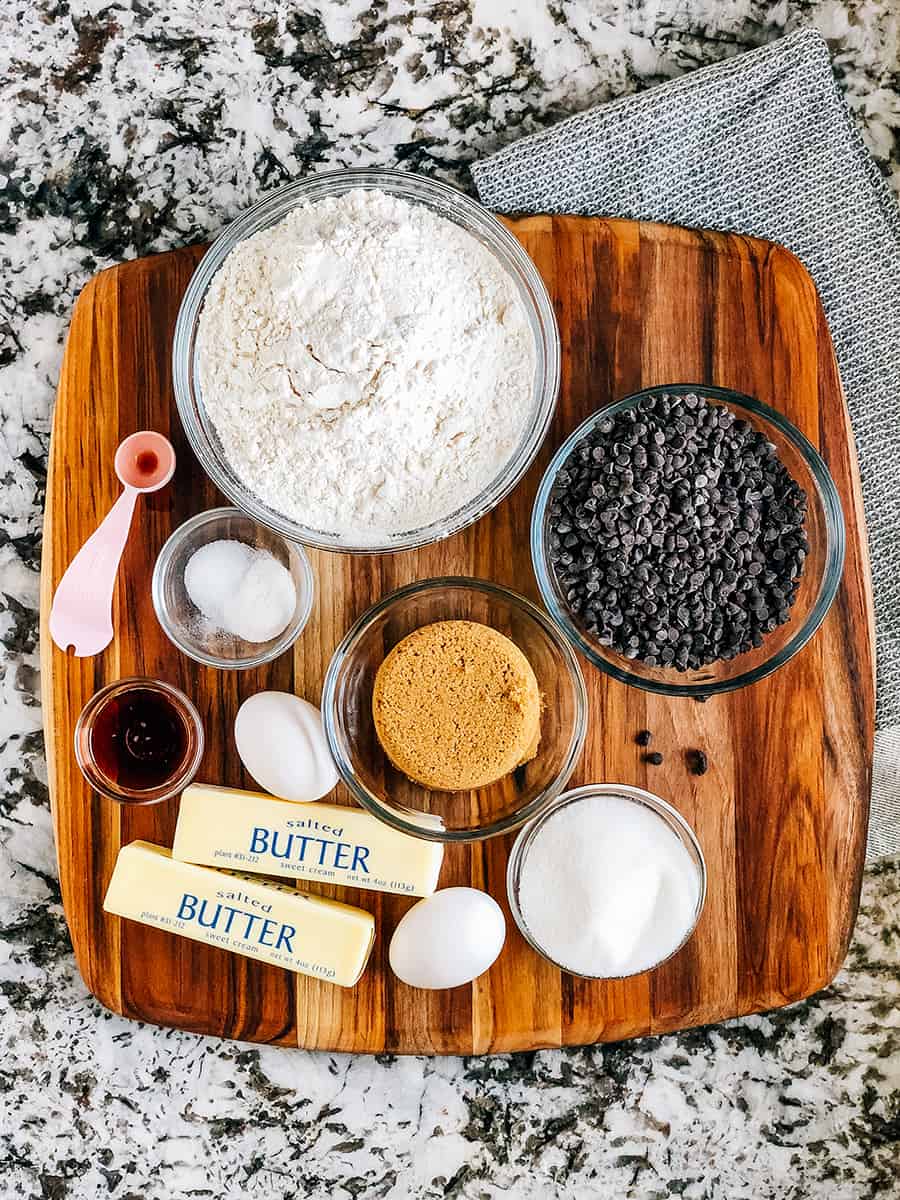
[231,593]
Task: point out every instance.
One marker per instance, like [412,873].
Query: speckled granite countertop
[125,132]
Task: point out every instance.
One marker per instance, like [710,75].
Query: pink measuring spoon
[81,613]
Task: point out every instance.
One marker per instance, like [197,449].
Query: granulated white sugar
[607,888]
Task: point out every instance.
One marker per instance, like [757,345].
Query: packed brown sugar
[456,706]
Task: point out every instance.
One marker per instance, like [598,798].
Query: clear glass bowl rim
[470,214]
[834,550]
[662,808]
[95,777]
[160,569]
[371,802]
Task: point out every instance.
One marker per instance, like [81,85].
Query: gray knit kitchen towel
[763,144]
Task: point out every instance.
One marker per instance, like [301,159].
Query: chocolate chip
[653,757]
[643,738]
[676,533]
[698,762]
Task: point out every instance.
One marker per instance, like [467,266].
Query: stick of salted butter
[270,922]
[243,831]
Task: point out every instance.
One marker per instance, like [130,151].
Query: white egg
[281,741]
[447,939]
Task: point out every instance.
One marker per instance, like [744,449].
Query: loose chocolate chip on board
[653,757]
[643,738]
[698,762]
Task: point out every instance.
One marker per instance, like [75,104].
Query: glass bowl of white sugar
[608,882]
[366,361]
[231,593]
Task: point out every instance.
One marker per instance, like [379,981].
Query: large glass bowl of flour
[366,361]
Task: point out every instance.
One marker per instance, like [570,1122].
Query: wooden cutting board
[781,814]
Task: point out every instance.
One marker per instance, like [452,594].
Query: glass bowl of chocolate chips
[688,539]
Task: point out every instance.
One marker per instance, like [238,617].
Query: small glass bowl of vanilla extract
[139,741]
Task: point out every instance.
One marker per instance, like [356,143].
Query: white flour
[368,365]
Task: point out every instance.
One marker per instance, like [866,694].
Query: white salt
[607,888]
[240,589]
